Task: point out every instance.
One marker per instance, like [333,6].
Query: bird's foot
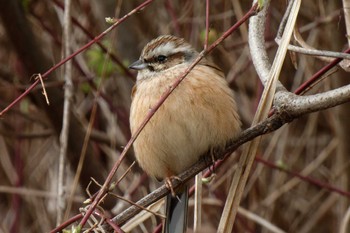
[169,184]
[213,152]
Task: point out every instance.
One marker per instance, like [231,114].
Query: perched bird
[201,114]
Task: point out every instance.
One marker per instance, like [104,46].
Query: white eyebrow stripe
[164,49]
[170,48]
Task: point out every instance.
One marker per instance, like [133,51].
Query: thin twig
[319,74]
[104,49]
[110,222]
[81,159]
[261,221]
[308,179]
[206,40]
[315,52]
[38,76]
[125,173]
[345,222]
[86,46]
[68,95]
[137,205]
[346,8]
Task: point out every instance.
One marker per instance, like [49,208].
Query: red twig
[206,24]
[110,222]
[170,8]
[67,223]
[317,75]
[158,228]
[305,178]
[96,39]
[104,49]
[114,226]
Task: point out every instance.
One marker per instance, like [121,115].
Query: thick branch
[256,39]
[299,105]
[285,101]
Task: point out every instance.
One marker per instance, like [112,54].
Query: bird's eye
[161,58]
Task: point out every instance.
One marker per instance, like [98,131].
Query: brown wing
[133,91]
[215,68]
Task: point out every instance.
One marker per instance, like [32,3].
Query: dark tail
[176,212]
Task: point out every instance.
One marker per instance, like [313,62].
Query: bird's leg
[210,161]
[212,152]
[169,184]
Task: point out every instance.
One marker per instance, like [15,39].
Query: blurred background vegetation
[315,146]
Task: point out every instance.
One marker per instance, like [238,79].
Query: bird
[200,115]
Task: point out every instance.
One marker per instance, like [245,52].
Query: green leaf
[99,62]
[261,4]
[212,36]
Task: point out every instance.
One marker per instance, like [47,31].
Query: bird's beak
[138,65]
